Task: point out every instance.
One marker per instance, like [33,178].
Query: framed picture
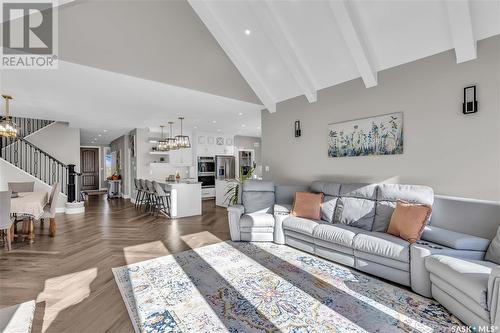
[379,135]
[210,140]
[202,140]
[229,141]
[219,141]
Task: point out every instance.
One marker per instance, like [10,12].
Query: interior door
[89,160]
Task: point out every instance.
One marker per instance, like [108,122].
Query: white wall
[10,173]
[456,154]
[60,141]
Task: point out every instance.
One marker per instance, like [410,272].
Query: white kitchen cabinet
[181,157]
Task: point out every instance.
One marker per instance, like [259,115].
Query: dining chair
[21,186]
[162,199]
[49,211]
[5,219]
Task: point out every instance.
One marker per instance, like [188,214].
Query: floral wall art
[379,135]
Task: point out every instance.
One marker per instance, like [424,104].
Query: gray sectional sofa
[351,231]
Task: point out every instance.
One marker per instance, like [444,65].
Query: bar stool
[151,196]
[162,199]
[144,190]
[138,189]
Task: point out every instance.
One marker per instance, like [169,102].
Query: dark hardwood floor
[70,275]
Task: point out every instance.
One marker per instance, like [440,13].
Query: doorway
[89,160]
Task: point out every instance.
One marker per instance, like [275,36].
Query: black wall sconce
[298,131]
[470,102]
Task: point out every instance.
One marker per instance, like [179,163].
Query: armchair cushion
[468,276]
[493,253]
[258,196]
[257,220]
[454,240]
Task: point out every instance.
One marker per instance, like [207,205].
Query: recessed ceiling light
[214,121]
[105,131]
[218,130]
[195,127]
[100,135]
[240,113]
[243,125]
[258,127]
[247,32]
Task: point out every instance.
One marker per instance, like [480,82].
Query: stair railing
[35,161]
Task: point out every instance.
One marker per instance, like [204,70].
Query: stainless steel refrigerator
[225,167]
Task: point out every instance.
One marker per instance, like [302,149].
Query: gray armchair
[468,288]
[253,220]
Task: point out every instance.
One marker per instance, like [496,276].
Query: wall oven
[206,164]
[206,171]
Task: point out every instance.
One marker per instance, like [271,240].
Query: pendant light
[171,142]
[8,128]
[182,140]
[162,143]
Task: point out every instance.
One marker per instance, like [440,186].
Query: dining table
[30,205]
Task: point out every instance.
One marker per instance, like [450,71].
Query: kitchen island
[185,198]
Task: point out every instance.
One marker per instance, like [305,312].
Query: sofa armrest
[494,295]
[282,209]
[234,214]
[455,240]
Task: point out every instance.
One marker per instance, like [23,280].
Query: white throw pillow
[493,253]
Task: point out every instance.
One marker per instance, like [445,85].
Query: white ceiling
[298,47]
[110,104]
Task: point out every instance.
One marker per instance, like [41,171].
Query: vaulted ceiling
[290,48]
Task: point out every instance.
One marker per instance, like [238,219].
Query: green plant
[233,191]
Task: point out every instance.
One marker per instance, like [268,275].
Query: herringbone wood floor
[70,275]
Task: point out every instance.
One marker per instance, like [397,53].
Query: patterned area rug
[264,287]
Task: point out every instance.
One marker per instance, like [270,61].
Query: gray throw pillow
[493,253]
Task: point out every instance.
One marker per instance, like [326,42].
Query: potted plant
[233,190]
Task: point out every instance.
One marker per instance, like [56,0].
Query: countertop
[187,182]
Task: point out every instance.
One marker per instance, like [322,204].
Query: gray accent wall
[456,154]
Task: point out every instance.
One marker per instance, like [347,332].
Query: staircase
[30,158]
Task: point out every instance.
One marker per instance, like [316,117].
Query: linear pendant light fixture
[162,143]
[8,128]
[182,141]
[171,142]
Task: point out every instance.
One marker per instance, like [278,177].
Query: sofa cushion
[336,233]
[257,220]
[300,225]
[307,205]
[356,205]
[388,194]
[331,192]
[383,245]
[493,253]
[258,196]
[408,220]
[469,276]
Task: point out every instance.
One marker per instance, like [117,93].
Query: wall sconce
[298,132]
[470,102]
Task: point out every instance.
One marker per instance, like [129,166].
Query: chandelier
[182,141]
[8,127]
[162,143]
[170,141]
